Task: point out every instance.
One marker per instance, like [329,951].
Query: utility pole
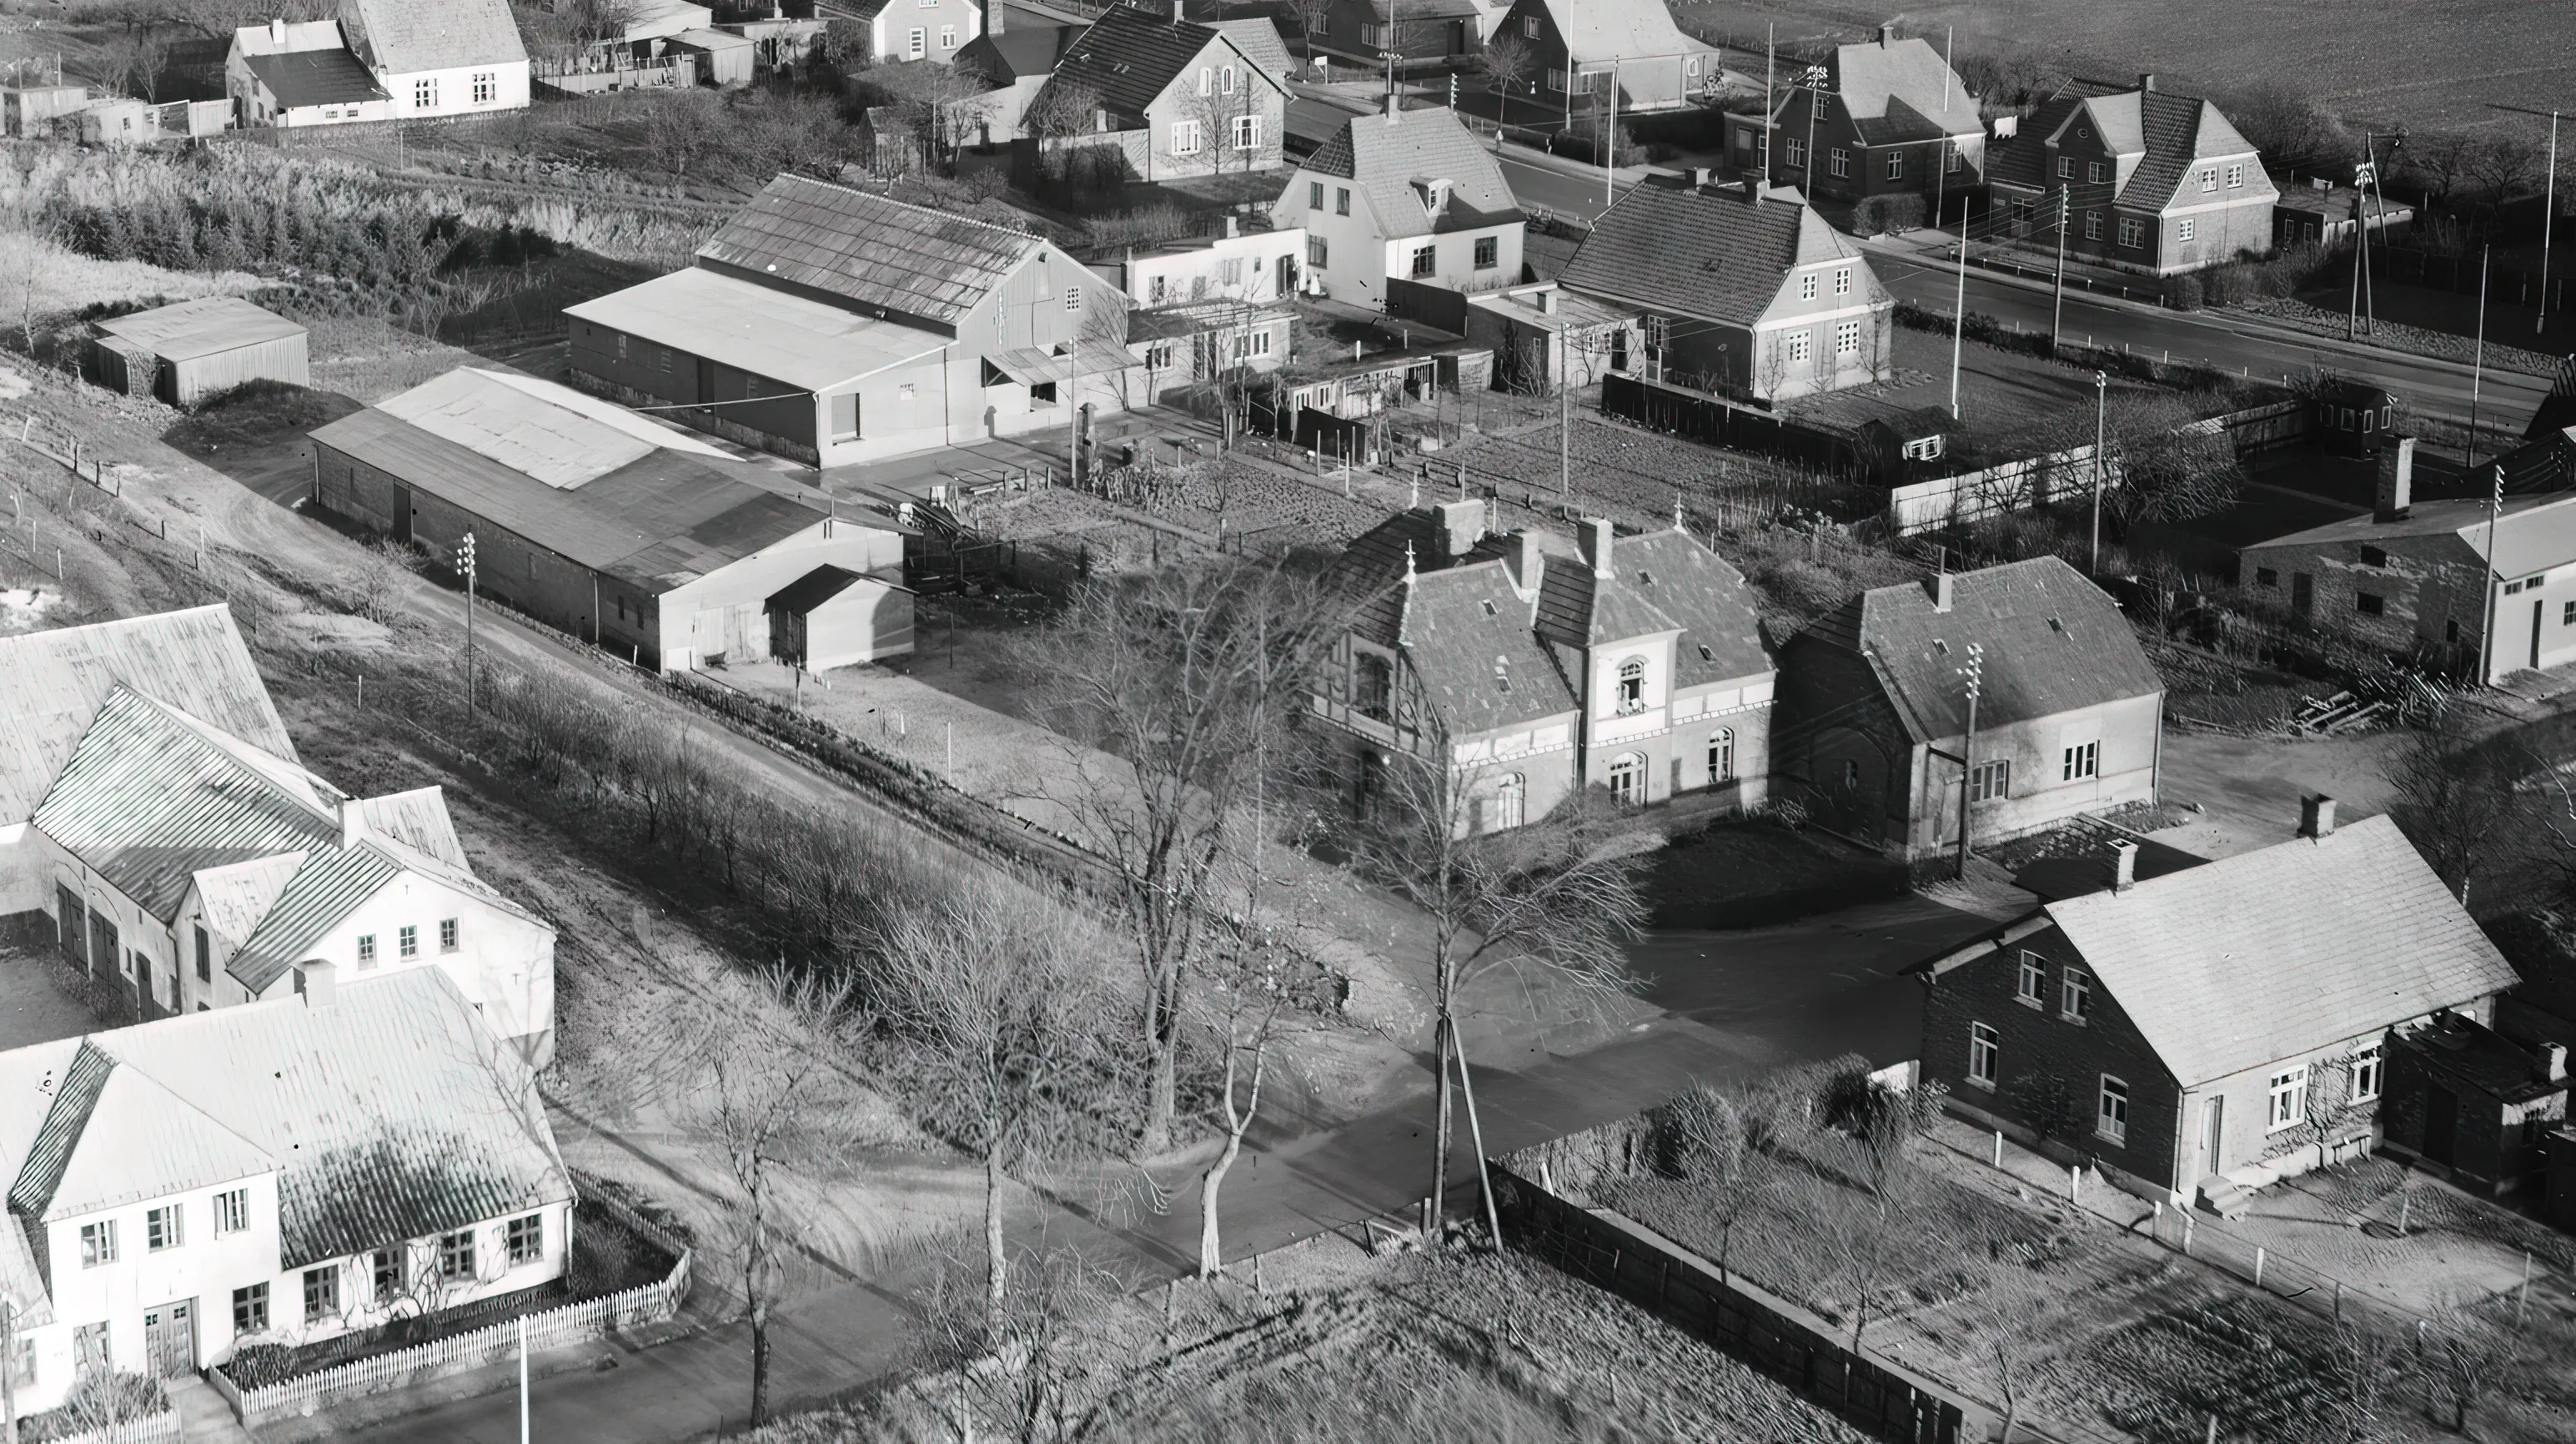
[1975,673]
[2101,430]
[1812,80]
[1941,162]
[1770,64]
[2057,306]
[1959,314]
[465,564]
[2478,363]
[1565,438]
[2486,633]
[2548,207]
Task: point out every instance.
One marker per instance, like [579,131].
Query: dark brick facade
[2393,591]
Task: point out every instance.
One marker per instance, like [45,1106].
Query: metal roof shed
[188,352]
[834,617]
[730,59]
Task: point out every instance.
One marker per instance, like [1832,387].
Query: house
[1406,198]
[184,353]
[1177,99]
[52,685]
[901,30]
[1892,119]
[2424,577]
[2349,417]
[2215,1029]
[2146,180]
[1589,48]
[2463,1097]
[833,327]
[1209,304]
[1017,57]
[1364,32]
[1873,718]
[1635,666]
[284,1172]
[1751,295]
[380,60]
[637,536]
[1257,36]
[2323,213]
[1544,336]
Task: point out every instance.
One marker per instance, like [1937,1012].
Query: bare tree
[1311,17]
[2504,167]
[1213,112]
[683,128]
[2364,1364]
[1064,109]
[2439,161]
[28,262]
[1505,62]
[1023,1366]
[2166,463]
[1721,1139]
[2463,1354]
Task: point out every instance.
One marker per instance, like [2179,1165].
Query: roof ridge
[1024,236]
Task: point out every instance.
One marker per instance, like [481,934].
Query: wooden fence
[1699,416]
[1975,496]
[162,1428]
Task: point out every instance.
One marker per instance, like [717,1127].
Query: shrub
[2183,293]
[1877,215]
[256,1366]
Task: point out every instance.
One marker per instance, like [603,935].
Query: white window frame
[1185,137]
[232,1212]
[2236,175]
[2111,1111]
[1837,162]
[165,1228]
[1247,132]
[424,93]
[1896,165]
[916,43]
[366,951]
[1721,756]
[407,941]
[2208,179]
[1073,298]
[1991,781]
[2185,229]
[2133,232]
[2369,1073]
[2033,985]
[1985,1055]
[1796,153]
[1809,287]
[98,1243]
[2074,995]
[2080,762]
[1847,338]
[2286,1099]
[1842,280]
[1798,346]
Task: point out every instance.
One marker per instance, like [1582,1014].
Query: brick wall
[2425,584]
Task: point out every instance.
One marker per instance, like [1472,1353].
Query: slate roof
[867,249]
[391,1113]
[53,683]
[1030,48]
[1706,252]
[1257,37]
[1129,57]
[2534,533]
[405,37]
[2054,643]
[2156,134]
[2273,953]
[1467,638]
[300,78]
[1385,155]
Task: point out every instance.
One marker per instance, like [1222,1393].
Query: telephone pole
[465,564]
[2101,430]
[2057,306]
[1975,673]
[2548,207]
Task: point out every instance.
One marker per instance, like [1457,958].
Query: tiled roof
[2271,954]
[1468,641]
[1258,38]
[406,37]
[2054,642]
[1898,90]
[1129,56]
[1605,30]
[1721,632]
[1385,155]
[52,684]
[1023,50]
[300,78]
[2535,533]
[1705,252]
[2156,135]
[867,249]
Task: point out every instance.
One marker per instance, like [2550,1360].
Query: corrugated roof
[2535,533]
[1709,253]
[812,589]
[300,78]
[407,37]
[325,890]
[417,819]
[234,897]
[50,1148]
[754,328]
[1386,155]
[532,435]
[2271,954]
[116,1136]
[53,683]
[868,249]
[149,801]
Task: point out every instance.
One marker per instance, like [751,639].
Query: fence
[495,1343]
[162,1428]
[1699,416]
[1975,496]
[2508,283]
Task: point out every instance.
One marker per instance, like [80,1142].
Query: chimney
[1525,560]
[1233,225]
[2124,865]
[2553,1061]
[1177,17]
[1701,176]
[353,822]
[1462,525]
[1886,35]
[1596,536]
[2146,80]
[1546,301]
[315,983]
[2396,480]
[993,15]
[277,32]
[1938,586]
[2316,815]
[1394,106]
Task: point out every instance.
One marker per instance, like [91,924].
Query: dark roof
[812,589]
[2462,1050]
[1130,56]
[1024,50]
[2156,133]
[314,77]
[2089,868]
[868,249]
[1373,564]
[2557,409]
[2054,642]
[1385,156]
[1715,254]
[1466,636]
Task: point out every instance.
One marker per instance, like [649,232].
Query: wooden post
[2522,1300]
[1999,1148]
[2258,1266]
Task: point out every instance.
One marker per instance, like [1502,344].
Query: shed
[27,110]
[196,349]
[2350,418]
[117,121]
[730,59]
[832,617]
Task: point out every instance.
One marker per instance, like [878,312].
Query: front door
[2303,594]
[1287,282]
[2213,1133]
[2537,610]
[170,1338]
[73,926]
[2441,1124]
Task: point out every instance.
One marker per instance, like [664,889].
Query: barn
[832,618]
[611,526]
[187,352]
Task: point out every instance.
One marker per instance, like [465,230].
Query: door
[1287,276]
[2213,1134]
[707,635]
[102,945]
[2303,593]
[170,1339]
[2537,609]
[72,926]
[2441,1124]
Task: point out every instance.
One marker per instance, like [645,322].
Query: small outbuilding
[185,353]
[724,60]
[28,110]
[2467,1098]
[834,617]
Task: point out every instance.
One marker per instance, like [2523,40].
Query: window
[2567,614]
[89,1348]
[1511,801]
[1316,251]
[947,37]
[232,1211]
[321,1293]
[387,1267]
[456,1254]
[1225,80]
[917,44]
[2184,229]
[1042,393]
[1248,344]
[525,1239]
[1632,684]
[1247,132]
[1847,339]
[2113,1122]
[1628,779]
[424,94]
[98,1243]
[161,1229]
[1372,686]
[250,1309]
[2208,179]
[1842,280]
[2074,995]
[1957,162]
[1721,756]
[1207,81]
[2370,604]
[2132,234]
[2366,1065]
[1314,195]
[1807,287]
[2066,167]
[2096,173]
[1798,346]
[1896,165]
[1159,291]
[1985,1054]
[2081,761]
[1990,781]
[1529,27]
[2373,557]
[2235,175]
[845,424]
[1426,259]
[2034,979]
[1838,162]
[2289,1099]
[487,87]
[1489,252]
[407,941]
[205,956]
[2092,225]
[1341,200]
[1796,154]
[366,951]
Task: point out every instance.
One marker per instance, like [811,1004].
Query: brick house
[1749,297]
[1177,99]
[1407,195]
[1873,710]
[2463,1097]
[1363,31]
[2152,182]
[1635,665]
[1892,119]
[2421,578]
[1580,49]
[2215,1029]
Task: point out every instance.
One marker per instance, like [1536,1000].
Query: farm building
[833,617]
[28,111]
[589,518]
[185,353]
[380,60]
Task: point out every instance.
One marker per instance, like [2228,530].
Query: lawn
[1746,874]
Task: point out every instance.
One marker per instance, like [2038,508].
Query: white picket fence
[161,1428]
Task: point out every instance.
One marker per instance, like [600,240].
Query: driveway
[37,1004]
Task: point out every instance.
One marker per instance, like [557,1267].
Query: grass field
[2427,63]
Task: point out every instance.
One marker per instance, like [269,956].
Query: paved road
[1558,187]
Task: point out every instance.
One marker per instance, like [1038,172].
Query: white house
[380,60]
[1408,195]
[277,1173]
[300,73]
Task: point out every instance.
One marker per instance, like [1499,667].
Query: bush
[1878,215]
[97,1400]
[256,1366]
[2184,293]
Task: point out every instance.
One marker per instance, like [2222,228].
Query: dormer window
[1434,194]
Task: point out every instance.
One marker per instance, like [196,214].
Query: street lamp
[1975,674]
[2101,428]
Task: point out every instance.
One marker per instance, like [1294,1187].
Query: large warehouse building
[609,525]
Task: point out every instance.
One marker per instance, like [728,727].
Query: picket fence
[161,1428]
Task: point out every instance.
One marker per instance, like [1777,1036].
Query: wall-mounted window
[321,1293]
[524,1239]
[407,941]
[2111,1119]
[1628,779]
[2033,985]
[1808,286]
[1314,195]
[1799,344]
[2266,577]
[2370,604]
[1316,251]
[163,1228]
[1795,154]
[2080,761]
[1426,260]
[1341,200]
[2096,173]
[2186,229]
[1896,165]
[456,1254]
[232,1211]
[2235,175]
[366,951]
[487,87]
[2133,233]
[1838,162]
[2092,225]
[1990,781]
[947,37]
[205,956]
[1721,755]
[1185,137]
[2075,996]
[1842,280]
[2373,557]
[385,1267]
[424,94]
[250,1309]
[1985,1054]
[2066,167]
[1847,339]
[2367,1066]
[2208,179]
[1372,686]
[2286,1099]
[917,44]
[98,1243]
[1489,252]
[1632,684]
